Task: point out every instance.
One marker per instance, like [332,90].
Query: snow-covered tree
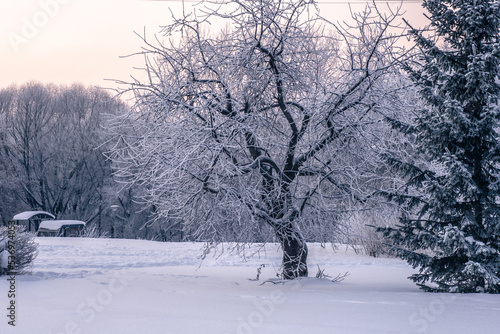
[451,197]
[251,130]
[18,249]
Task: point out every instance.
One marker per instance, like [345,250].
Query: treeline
[52,144]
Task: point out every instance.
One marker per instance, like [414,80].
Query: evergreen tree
[451,226]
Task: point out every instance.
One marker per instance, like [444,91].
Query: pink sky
[66,41]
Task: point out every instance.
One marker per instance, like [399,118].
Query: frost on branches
[18,249]
[452,227]
[250,131]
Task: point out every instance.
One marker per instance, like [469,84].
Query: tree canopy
[451,228]
[251,130]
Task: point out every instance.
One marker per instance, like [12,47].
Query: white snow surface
[57,224]
[118,286]
[28,214]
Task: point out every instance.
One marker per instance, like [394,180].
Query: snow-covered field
[141,287]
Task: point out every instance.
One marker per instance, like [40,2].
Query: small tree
[18,249]
[252,130]
[451,227]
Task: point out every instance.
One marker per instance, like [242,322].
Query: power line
[367,1]
[331,2]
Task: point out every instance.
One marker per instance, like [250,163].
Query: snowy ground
[141,287]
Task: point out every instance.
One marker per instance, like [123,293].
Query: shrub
[18,249]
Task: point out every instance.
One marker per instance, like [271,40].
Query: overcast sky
[66,41]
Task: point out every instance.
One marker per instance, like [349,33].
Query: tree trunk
[294,252]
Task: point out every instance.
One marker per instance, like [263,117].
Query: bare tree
[8,201]
[253,129]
